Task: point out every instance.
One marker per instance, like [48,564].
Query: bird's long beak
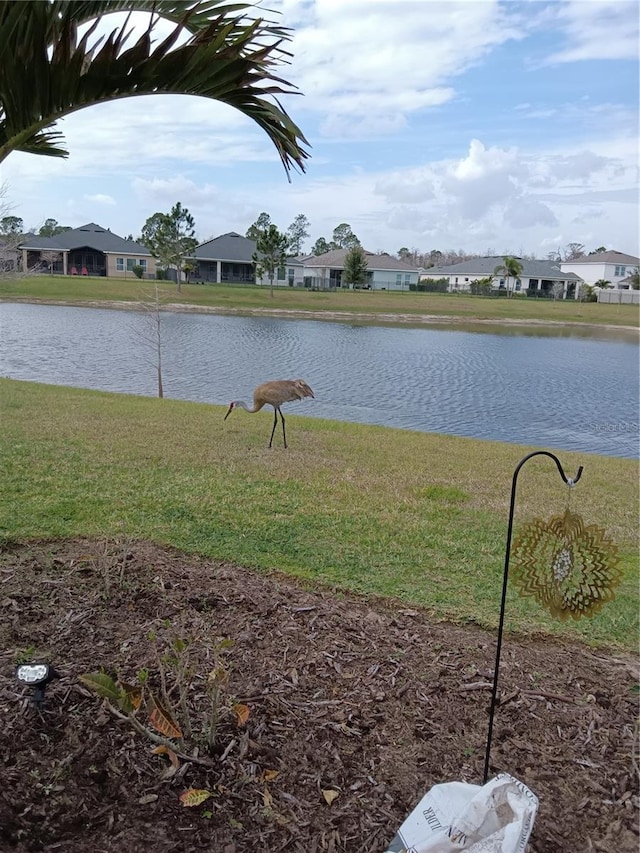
[230,409]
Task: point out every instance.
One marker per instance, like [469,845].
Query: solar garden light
[36,675]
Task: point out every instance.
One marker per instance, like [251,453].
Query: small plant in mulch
[183,713]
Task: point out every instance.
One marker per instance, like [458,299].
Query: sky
[480,126]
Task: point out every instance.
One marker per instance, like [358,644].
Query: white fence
[619,297]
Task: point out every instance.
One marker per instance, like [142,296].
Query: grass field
[465,307]
[415,516]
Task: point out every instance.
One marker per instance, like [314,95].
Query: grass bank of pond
[393,513]
[361,305]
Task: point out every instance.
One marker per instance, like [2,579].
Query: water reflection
[538,389]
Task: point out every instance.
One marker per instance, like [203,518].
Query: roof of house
[336,259]
[11,242]
[487,266]
[611,257]
[227,247]
[91,235]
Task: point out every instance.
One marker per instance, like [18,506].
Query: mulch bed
[369,700]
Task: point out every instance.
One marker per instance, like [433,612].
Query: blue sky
[482,126]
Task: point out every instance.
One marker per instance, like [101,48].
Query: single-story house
[89,250]
[537,277]
[228,258]
[325,272]
[612,266]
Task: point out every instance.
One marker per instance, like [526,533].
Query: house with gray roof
[88,250]
[614,267]
[538,278]
[325,272]
[227,258]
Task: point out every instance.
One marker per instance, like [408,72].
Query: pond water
[559,392]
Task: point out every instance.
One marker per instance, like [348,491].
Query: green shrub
[482,286]
[427,285]
[137,270]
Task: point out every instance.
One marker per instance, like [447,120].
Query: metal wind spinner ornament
[568,567]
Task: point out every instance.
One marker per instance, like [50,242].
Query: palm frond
[46,72]
[45,142]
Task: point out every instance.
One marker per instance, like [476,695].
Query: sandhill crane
[274,394]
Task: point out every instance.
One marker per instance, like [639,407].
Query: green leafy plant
[25,655]
[481,286]
[165,714]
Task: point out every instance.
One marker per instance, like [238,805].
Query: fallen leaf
[164,750]
[148,798]
[242,713]
[270,775]
[194,796]
[329,796]
[267,799]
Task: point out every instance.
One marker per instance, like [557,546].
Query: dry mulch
[367,699]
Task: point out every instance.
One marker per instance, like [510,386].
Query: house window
[281,273]
[120,264]
[142,262]
[518,284]
[399,279]
[620,271]
[131,262]
[456,280]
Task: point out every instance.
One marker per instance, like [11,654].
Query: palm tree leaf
[46,72]
[44,142]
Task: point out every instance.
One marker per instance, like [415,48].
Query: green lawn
[420,517]
[466,308]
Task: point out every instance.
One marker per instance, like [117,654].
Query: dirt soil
[356,708]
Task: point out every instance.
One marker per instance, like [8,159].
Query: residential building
[611,266]
[537,277]
[325,272]
[228,258]
[89,250]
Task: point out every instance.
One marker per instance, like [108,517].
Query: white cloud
[100,198]
[493,194]
[386,60]
[597,29]
[523,212]
[483,179]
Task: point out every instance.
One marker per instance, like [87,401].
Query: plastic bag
[493,818]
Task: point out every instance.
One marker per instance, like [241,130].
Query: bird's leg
[275,423]
[284,435]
